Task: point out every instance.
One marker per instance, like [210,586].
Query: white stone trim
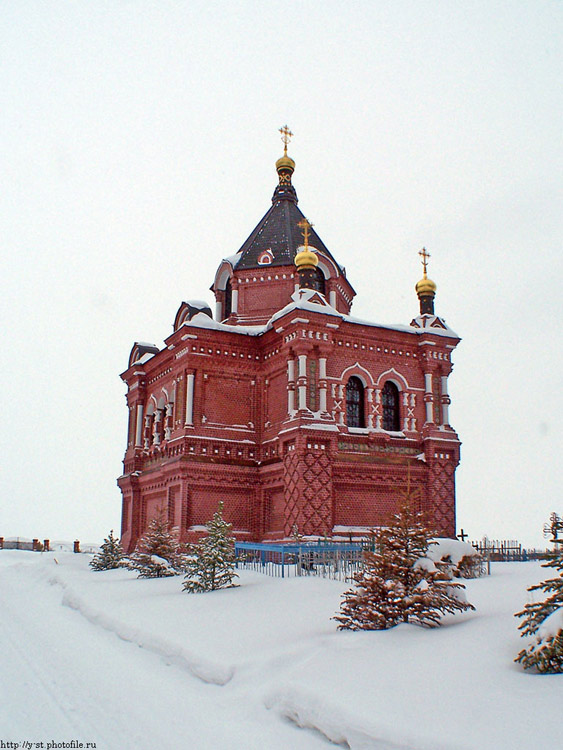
[139,426]
[189,399]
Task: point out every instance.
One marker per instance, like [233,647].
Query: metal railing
[324,559]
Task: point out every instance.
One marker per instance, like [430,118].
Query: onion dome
[306,258]
[425,286]
[285,163]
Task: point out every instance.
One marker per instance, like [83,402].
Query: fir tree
[544,620]
[213,565]
[158,553]
[110,555]
[398,583]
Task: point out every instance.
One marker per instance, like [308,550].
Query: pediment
[318,299]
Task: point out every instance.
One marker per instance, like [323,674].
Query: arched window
[227,307]
[390,400]
[355,403]
[318,280]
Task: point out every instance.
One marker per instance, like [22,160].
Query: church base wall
[309,493]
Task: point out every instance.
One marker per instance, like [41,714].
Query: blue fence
[325,559]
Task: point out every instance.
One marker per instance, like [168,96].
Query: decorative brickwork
[441,489]
[308,492]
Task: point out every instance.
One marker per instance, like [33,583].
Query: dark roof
[278,231]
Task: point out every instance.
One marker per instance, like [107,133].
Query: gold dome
[285,162]
[425,286]
[306,258]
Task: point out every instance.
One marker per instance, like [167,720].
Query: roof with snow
[313,301]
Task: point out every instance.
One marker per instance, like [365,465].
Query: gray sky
[138,148]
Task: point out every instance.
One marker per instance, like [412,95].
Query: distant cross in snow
[462,535]
[286,137]
[424,254]
[554,526]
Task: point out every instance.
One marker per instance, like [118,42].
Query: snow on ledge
[352,529]
[310,300]
[325,426]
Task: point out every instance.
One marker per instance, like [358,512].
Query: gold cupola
[425,288]
[285,163]
[306,259]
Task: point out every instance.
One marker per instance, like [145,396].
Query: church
[298,416]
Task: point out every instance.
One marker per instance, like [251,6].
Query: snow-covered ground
[134,664]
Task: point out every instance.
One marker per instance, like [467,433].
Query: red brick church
[297,415]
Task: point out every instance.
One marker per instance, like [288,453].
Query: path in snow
[137,664]
[63,678]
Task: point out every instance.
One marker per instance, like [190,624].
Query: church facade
[296,415]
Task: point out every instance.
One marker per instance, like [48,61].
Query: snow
[301,301]
[145,358]
[433,324]
[199,304]
[201,320]
[146,345]
[352,529]
[552,625]
[233,259]
[321,426]
[137,664]
[452,548]
[426,564]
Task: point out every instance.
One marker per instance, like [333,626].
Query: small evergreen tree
[398,583]
[158,553]
[110,555]
[544,620]
[213,565]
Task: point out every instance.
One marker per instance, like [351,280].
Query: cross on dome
[305,225]
[286,137]
[424,254]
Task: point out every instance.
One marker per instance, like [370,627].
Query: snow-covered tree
[543,620]
[110,555]
[398,582]
[213,564]
[158,553]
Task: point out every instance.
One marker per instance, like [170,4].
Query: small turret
[425,288]
[285,166]
[306,260]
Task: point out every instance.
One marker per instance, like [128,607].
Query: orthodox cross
[553,527]
[286,136]
[410,495]
[305,227]
[424,254]
[462,535]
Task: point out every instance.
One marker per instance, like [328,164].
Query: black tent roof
[279,232]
